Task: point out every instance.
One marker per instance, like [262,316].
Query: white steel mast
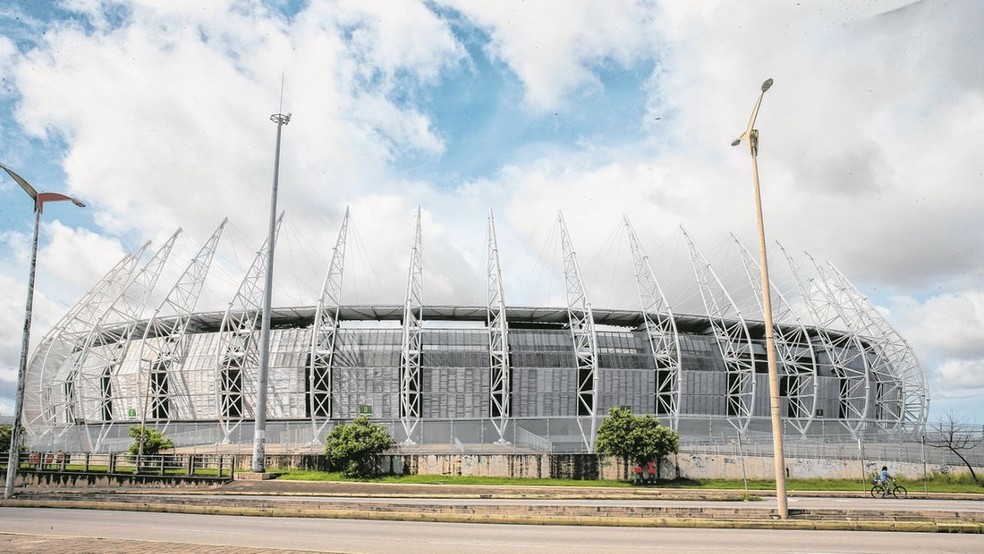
[323,334]
[794,348]
[238,352]
[44,399]
[733,339]
[582,325]
[844,350]
[661,330]
[162,349]
[500,376]
[410,393]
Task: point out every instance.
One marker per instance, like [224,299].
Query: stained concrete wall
[102,480]
[590,466]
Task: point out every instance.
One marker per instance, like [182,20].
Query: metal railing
[220,466]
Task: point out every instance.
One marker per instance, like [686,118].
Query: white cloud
[869,151]
[555,47]
[947,334]
[962,375]
[951,324]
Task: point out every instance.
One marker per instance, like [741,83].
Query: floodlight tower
[259,433]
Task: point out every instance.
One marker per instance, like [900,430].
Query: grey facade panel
[455,377]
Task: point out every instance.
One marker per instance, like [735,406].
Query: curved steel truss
[661,330]
[500,374]
[901,398]
[410,390]
[844,352]
[798,382]
[732,336]
[582,326]
[95,367]
[46,402]
[319,404]
[238,354]
[101,365]
[166,394]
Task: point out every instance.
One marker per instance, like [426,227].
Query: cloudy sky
[156,114]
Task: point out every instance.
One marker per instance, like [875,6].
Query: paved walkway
[85,545]
[383,501]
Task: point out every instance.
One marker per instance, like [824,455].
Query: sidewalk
[88,545]
[394,501]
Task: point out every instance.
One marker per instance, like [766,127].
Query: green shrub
[5,432]
[354,449]
[153,441]
[635,438]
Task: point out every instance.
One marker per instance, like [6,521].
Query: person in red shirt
[638,475]
[651,470]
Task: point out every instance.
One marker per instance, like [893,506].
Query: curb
[702,523]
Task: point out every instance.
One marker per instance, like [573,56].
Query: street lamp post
[13,459]
[263,372]
[751,136]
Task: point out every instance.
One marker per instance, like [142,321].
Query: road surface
[65,531]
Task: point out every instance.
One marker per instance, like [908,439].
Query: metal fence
[118,463]
[927,450]
[524,435]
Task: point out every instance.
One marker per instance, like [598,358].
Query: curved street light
[751,136]
[39,198]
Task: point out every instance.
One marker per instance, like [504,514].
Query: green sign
[365,409]
[131,413]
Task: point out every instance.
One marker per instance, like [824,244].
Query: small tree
[635,438]
[5,432]
[153,441]
[354,449]
[953,434]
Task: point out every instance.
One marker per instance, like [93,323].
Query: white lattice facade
[465,374]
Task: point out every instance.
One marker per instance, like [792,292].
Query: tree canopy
[5,433]
[635,438]
[153,441]
[354,448]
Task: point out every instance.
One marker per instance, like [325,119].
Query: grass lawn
[936,483]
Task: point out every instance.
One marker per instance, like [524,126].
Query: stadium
[491,377]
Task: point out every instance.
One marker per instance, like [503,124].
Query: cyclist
[883,479]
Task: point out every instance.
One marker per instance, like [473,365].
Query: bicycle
[880,490]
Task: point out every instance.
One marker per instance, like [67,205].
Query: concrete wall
[590,466]
[103,480]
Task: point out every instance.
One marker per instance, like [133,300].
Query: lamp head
[78,202]
[766,84]
[736,142]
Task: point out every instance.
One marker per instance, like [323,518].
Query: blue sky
[157,115]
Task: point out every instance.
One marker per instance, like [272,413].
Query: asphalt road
[804,502]
[66,531]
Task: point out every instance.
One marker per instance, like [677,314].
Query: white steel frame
[238,356]
[500,374]
[44,381]
[661,330]
[410,389]
[96,365]
[323,336]
[732,337]
[903,398]
[585,337]
[792,342]
[163,348]
[846,354]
